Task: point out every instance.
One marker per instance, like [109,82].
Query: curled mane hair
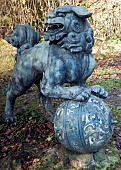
[76,34]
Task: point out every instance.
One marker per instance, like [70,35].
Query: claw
[85,95]
[105,95]
[82,98]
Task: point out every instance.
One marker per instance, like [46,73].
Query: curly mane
[68,27]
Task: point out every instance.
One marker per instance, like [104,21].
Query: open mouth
[54,28]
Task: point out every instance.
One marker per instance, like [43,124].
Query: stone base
[63,159]
[104,159]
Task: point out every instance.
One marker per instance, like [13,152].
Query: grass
[31,109]
[110,71]
[116,110]
[107,84]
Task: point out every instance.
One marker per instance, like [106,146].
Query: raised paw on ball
[99,91]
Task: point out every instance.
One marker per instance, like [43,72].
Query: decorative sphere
[84,127]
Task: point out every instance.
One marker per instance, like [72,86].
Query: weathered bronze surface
[83,123]
[64,57]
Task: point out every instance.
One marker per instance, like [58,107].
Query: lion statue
[24,37]
[62,63]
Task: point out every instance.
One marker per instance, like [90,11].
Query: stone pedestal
[62,159]
[104,159]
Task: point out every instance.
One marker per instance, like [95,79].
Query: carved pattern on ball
[84,126]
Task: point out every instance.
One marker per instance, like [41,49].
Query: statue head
[67,25]
[23,34]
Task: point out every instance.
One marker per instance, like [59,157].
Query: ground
[23,143]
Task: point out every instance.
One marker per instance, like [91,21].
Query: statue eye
[61,15]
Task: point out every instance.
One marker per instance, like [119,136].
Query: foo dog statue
[24,37]
[83,123]
[64,57]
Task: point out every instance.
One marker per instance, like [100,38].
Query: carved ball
[84,127]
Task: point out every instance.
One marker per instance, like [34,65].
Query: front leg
[73,93]
[51,86]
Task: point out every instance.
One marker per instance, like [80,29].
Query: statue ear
[81,12]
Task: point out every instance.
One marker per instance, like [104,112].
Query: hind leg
[14,90]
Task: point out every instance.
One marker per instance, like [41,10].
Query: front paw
[99,91]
